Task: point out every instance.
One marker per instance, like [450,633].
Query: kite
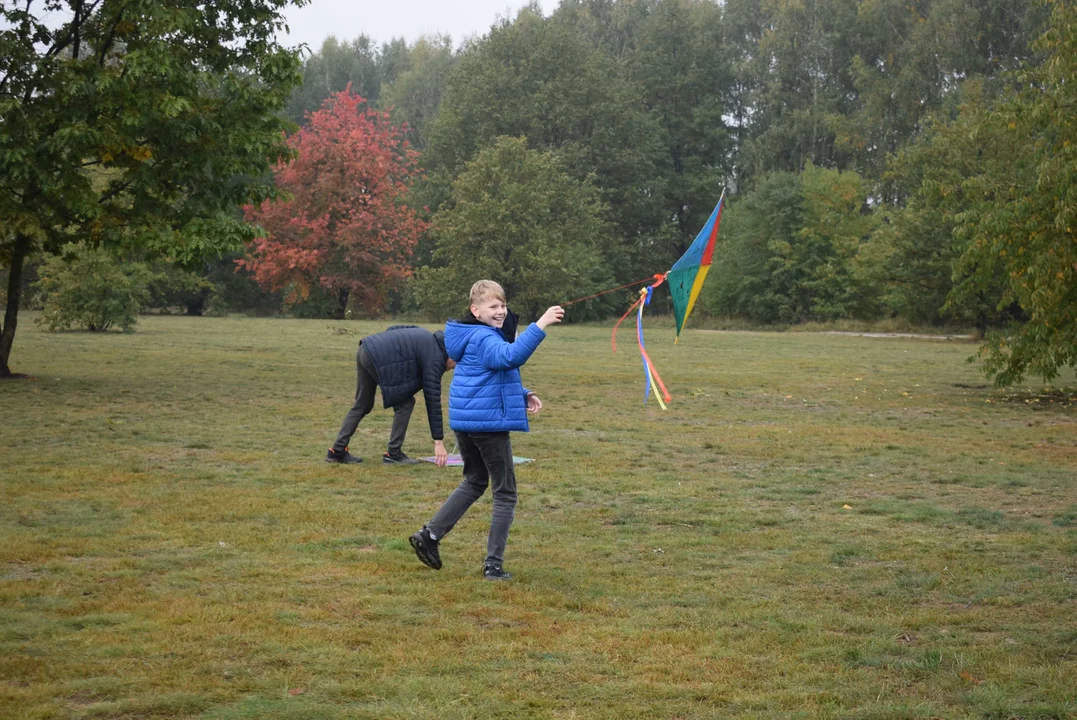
[686,276]
[685,280]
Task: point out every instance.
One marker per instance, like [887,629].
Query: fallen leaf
[297,691]
[968,677]
[846,507]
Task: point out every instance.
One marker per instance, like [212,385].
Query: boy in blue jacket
[487,400]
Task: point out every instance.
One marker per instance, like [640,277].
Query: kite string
[613,337]
[619,287]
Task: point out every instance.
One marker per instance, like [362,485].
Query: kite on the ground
[455,459]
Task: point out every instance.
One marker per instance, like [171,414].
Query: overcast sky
[384,20]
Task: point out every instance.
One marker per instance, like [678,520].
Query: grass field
[818,527]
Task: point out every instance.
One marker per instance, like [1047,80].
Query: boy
[486,401]
[402,360]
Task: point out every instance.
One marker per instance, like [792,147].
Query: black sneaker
[398,459]
[495,572]
[426,548]
[344,458]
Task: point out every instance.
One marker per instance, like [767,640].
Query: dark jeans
[487,459]
[365,384]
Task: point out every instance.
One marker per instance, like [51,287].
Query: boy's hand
[533,403]
[440,456]
[554,315]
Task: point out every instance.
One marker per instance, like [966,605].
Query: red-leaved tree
[345,226]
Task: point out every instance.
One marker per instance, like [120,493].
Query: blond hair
[486,287]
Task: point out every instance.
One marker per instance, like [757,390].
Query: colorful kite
[685,280]
[687,275]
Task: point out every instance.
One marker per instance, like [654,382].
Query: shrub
[90,288]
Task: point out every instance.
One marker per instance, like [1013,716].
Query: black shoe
[398,459]
[495,572]
[344,458]
[426,548]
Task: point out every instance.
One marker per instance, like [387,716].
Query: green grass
[819,526]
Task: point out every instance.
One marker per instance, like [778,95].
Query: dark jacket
[508,328]
[486,394]
[409,359]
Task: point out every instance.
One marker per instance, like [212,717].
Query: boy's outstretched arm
[500,355]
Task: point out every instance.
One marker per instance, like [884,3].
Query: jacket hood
[439,336]
[458,333]
[508,328]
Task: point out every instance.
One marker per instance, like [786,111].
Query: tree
[676,55]
[414,95]
[335,66]
[795,69]
[91,288]
[913,255]
[827,250]
[515,216]
[744,281]
[135,123]
[541,79]
[1019,219]
[912,59]
[791,250]
[344,226]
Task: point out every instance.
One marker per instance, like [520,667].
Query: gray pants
[366,383]
[487,459]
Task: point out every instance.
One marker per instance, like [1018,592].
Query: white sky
[384,20]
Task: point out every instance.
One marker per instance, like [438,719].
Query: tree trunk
[14,296]
[342,304]
[196,306]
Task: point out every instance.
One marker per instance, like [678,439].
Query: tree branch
[76,29]
[107,44]
[26,12]
[72,29]
[115,191]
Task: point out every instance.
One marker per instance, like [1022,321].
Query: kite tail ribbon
[658,280]
[652,380]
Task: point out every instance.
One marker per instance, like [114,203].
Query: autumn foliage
[343,225]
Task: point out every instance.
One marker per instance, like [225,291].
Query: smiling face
[490,310]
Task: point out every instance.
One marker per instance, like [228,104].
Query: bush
[88,287]
[173,288]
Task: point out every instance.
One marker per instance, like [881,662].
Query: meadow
[819,526]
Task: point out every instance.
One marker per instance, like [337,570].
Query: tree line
[884,158]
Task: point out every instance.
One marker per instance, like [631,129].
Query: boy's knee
[479,484]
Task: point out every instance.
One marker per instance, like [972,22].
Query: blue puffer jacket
[486,394]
